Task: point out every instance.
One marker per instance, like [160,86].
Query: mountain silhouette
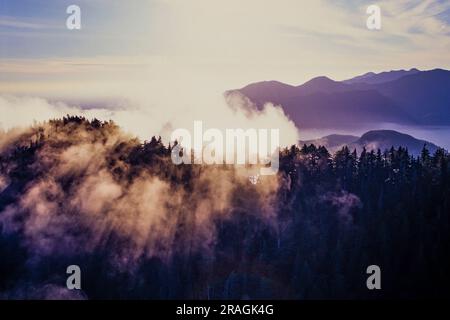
[374,140]
[375,78]
[424,95]
[402,97]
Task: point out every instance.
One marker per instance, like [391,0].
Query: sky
[189,52]
[228,43]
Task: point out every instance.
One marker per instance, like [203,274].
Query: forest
[83,192]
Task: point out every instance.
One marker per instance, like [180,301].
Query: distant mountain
[424,95]
[373,140]
[267,91]
[343,110]
[321,85]
[403,97]
[332,142]
[375,78]
[331,106]
[275,91]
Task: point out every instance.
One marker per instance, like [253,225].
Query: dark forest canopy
[74,191]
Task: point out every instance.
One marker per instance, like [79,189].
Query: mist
[84,197]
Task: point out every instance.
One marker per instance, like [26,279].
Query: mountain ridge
[374,140]
[408,97]
[385,76]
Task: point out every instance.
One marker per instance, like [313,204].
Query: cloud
[22,23]
[146,117]
[234,44]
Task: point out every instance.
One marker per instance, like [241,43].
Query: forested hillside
[74,191]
